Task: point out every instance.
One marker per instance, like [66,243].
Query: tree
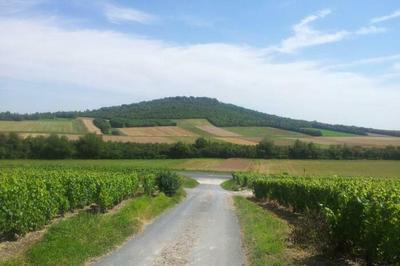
[266,148]
[90,146]
[200,143]
[56,147]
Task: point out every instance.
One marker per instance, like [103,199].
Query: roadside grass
[230,185]
[75,240]
[188,182]
[264,234]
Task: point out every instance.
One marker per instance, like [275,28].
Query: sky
[330,61]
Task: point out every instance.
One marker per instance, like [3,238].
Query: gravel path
[202,230]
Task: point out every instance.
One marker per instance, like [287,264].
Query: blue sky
[332,61]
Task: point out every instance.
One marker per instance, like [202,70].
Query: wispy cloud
[370,30]
[367,61]
[118,14]
[392,15]
[304,35]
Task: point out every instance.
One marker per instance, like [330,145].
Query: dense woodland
[93,147]
[159,112]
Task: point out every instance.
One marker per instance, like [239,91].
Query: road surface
[201,230]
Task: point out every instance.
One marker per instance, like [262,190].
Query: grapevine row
[363,214]
[31,197]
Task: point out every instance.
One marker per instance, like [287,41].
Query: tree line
[93,147]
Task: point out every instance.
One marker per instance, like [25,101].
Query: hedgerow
[363,214]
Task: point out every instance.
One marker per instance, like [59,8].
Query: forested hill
[159,112]
[219,114]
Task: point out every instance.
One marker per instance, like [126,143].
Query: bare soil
[88,122]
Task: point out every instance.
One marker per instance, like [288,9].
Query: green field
[370,168]
[191,125]
[331,133]
[66,126]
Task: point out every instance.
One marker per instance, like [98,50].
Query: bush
[168,182]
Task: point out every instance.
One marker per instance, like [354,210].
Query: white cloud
[393,15]
[305,35]
[370,30]
[40,52]
[118,14]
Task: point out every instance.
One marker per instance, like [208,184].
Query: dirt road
[202,230]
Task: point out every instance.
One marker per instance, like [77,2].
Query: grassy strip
[230,185]
[264,234]
[75,240]
[188,182]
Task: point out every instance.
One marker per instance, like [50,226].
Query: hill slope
[161,112]
[222,115]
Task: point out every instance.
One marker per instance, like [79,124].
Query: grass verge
[75,240]
[264,234]
[188,182]
[230,185]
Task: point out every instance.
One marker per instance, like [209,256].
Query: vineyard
[362,214]
[30,197]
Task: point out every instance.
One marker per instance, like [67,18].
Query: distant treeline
[7,116]
[160,112]
[93,147]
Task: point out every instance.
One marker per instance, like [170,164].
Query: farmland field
[216,131]
[331,133]
[294,167]
[188,130]
[164,131]
[66,126]
[88,122]
[261,132]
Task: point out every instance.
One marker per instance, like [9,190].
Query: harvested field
[91,128]
[138,139]
[235,164]
[262,132]
[200,164]
[355,141]
[329,167]
[217,131]
[67,126]
[241,141]
[108,138]
[167,131]
[224,165]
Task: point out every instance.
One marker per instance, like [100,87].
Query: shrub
[168,182]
